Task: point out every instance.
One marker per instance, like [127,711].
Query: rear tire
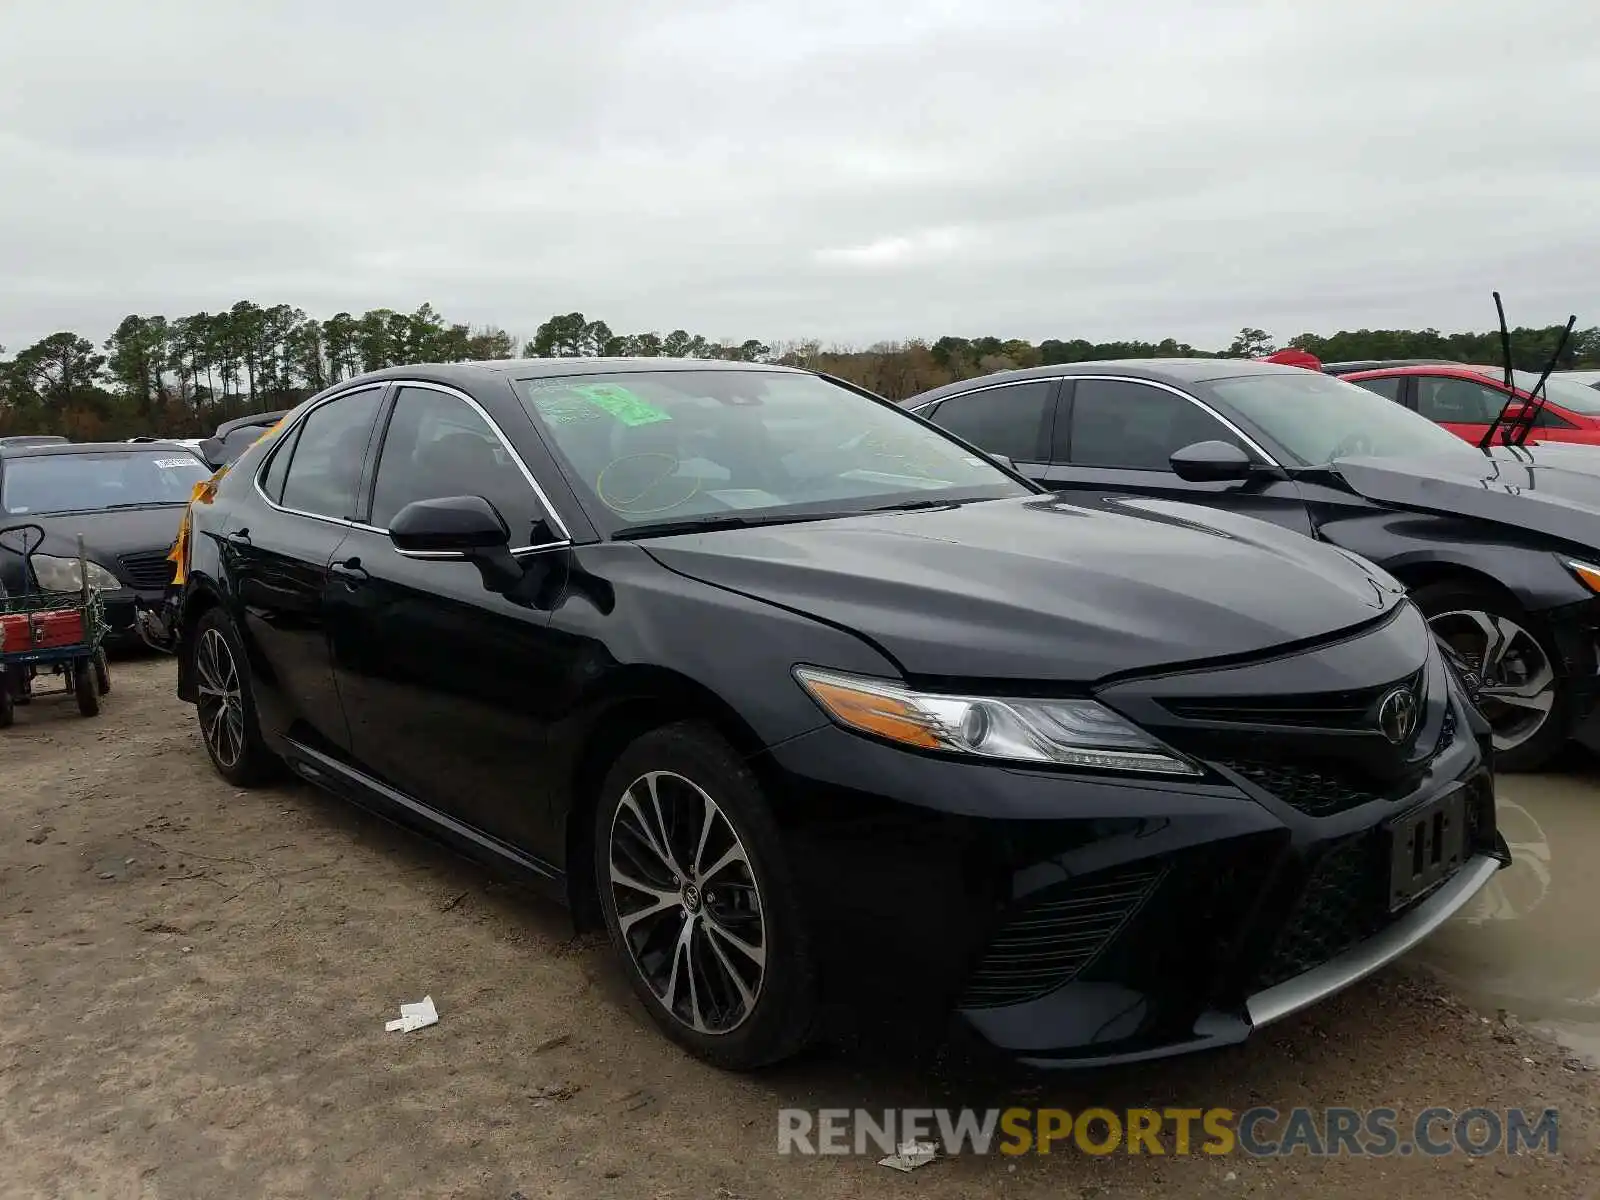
[102,672]
[226,707]
[711,937]
[83,687]
[1524,690]
[8,710]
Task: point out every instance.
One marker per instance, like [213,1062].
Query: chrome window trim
[1155,383]
[562,543]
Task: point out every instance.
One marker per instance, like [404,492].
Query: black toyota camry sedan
[125,500]
[831,719]
[1500,549]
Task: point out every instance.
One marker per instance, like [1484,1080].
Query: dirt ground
[194,980]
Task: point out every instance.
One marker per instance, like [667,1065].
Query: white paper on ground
[911,1156]
[414,1016]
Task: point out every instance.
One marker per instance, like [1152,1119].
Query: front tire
[698,900]
[1521,684]
[226,707]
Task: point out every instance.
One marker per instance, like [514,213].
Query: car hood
[1552,489]
[107,536]
[1042,589]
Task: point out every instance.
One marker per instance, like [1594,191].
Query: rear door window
[325,471]
[1013,420]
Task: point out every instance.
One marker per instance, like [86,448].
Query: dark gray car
[1500,549]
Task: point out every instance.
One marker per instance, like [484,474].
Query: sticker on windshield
[166,464]
[566,409]
[625,406]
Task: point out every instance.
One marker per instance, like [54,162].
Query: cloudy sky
[850,170]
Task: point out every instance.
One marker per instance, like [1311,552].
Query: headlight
[1587,573]
[61,574]
[1076,733]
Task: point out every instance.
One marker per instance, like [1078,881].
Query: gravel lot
[194,980]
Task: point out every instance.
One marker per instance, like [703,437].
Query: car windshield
[100,479]
[1317,418]
[1573,396]
[670,446]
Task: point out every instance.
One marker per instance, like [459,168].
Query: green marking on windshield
[622,404]
[586,401]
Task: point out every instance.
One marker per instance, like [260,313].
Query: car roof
[1175,371]
[1460,370]
[535,368]
[60,449]
[254,420]
[1375,364]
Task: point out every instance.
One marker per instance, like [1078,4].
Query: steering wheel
[638,493]
[1355,445]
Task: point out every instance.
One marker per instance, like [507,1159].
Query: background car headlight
[1077,733]
[61,574]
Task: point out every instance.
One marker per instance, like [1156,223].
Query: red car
[1465,399]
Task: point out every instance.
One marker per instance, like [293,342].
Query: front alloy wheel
[696,893]
[687,902]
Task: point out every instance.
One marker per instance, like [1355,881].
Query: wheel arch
[641,699]
[1423,574]
[202,596]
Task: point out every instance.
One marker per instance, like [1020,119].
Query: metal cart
[61,633]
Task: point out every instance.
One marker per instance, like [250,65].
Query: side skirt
[384,801]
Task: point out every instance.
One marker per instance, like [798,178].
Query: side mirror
[459,526]
[1004,460]
[1212,462]
[466,528]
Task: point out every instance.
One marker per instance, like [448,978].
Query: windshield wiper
[712,523]
[913,506]
[1514,431]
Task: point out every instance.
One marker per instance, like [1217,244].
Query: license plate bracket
[1427,845]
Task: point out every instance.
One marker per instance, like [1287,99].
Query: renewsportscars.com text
[1258,1132]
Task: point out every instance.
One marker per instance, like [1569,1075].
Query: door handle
[351,571]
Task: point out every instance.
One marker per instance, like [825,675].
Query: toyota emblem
[1397,715]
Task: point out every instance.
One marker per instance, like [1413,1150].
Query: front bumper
[1070,921]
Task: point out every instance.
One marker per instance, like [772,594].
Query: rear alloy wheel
[224,705]
[1510,668]
[697,902]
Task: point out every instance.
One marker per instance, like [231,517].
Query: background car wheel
[102,672]
[226,708]
[698,900]
[1514,668]
[83,686]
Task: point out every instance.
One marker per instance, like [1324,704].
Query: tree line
[182,376]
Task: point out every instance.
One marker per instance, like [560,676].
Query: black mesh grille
[1345,901]
[1315,793]
[147,569]
[1048,940]
[1321,790]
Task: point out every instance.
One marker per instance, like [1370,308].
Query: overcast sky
[851,171]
